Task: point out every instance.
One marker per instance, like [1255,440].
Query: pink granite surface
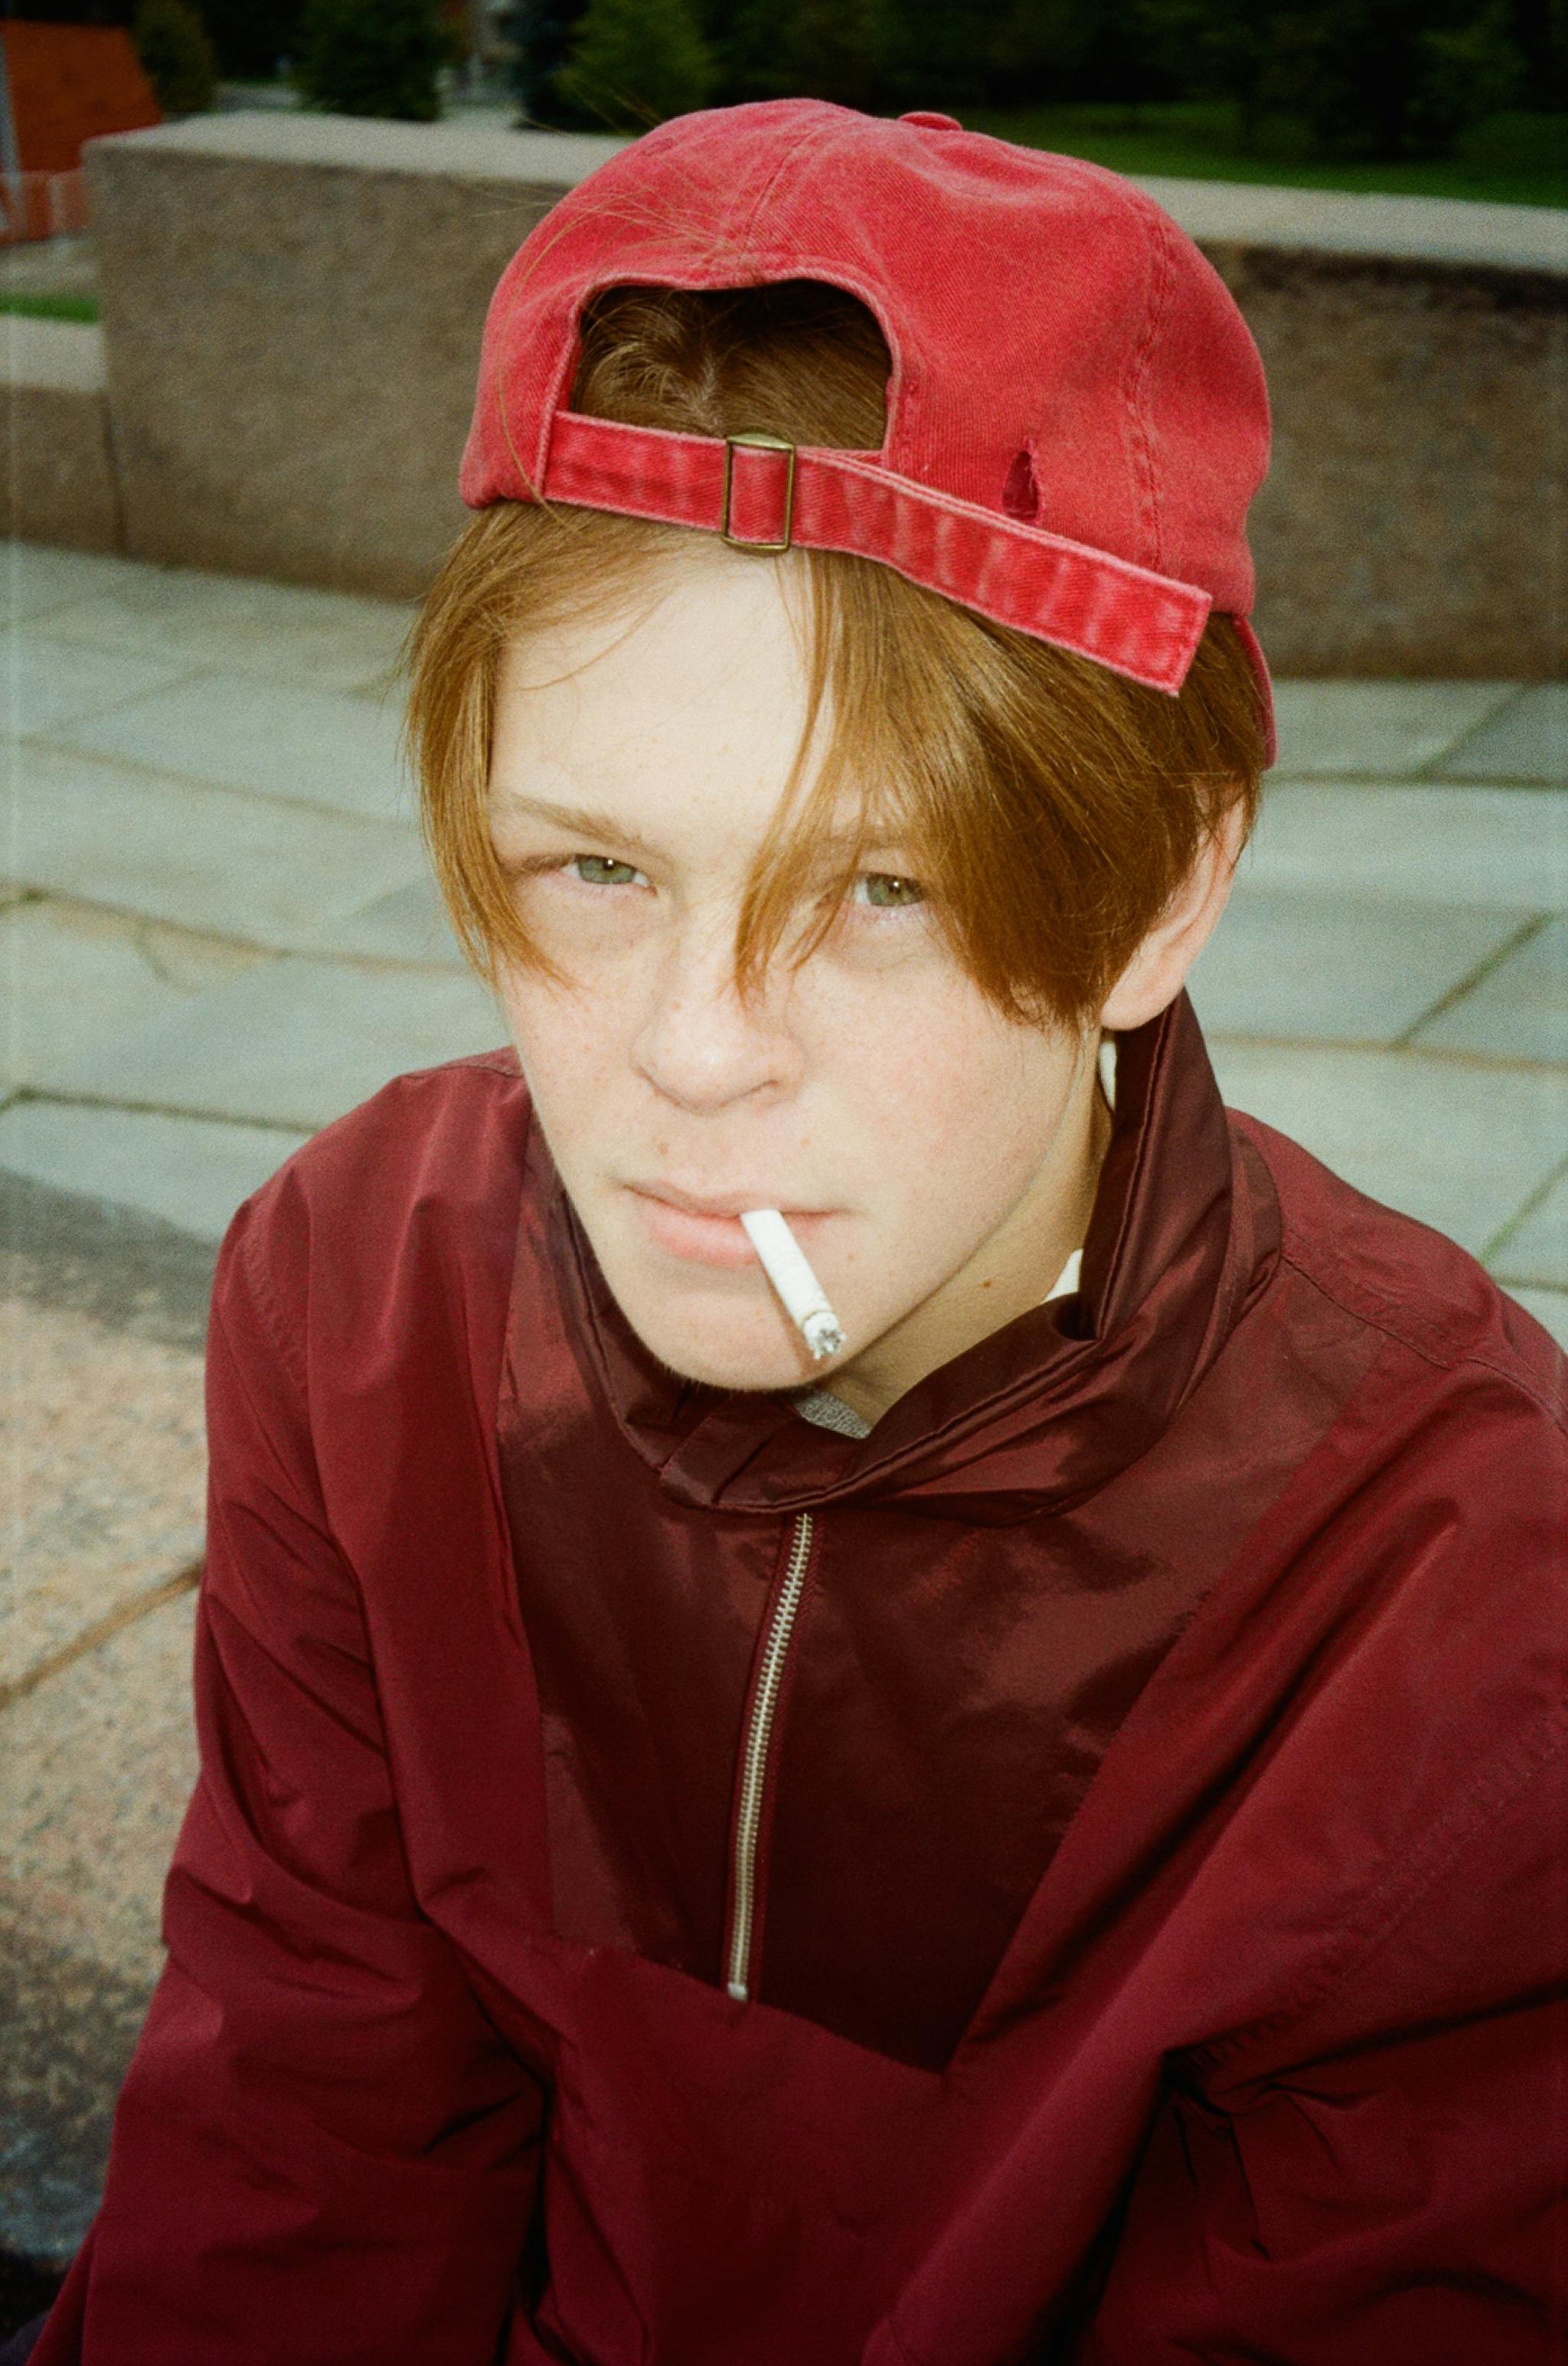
[99,1762]
[104,1473]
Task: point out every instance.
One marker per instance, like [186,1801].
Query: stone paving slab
[72,976]
[407,924]
[206,858]
[1535,1253]
[97,1757]
[1336,968]
[294,1044]
[65,264]
[1519,1010]
[47,684]
[1461,1147]
[1373,729]
[103,1757]
[1549,1308]
[106,1452]
[327,640]
[71,2024]
[269,738]
[1501,850]
[36,577]
[1525,740]
[191,1173]
[100,1761]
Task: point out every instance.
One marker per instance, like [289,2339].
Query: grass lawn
[1516,160]
[49,308]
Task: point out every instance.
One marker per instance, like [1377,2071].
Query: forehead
[697,691]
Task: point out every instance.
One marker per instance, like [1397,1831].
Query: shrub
[1366,78]
[539,35]
[636,62]
[177,55]
[251,36]
[373,57]
[1388,78]
[1540,33]
[806,49]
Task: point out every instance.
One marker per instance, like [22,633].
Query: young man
[1034,1837]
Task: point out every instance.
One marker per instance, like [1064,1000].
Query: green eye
[889,894]
[602,870]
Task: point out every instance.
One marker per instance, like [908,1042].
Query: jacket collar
[1035,1417]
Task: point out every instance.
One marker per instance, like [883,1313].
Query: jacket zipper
[754,1762]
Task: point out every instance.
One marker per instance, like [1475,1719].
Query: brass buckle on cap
[762,443]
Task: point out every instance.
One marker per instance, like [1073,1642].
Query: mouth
[709,1231]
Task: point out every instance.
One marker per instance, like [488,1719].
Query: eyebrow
[576,821]
[588,822]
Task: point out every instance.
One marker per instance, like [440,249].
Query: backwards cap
[1076,417]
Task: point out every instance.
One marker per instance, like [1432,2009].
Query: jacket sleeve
[1380,2179]
[322,2152]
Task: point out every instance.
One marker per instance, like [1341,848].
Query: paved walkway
[219,934]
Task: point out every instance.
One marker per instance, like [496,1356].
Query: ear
[1158,971]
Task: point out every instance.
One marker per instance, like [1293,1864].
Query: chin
[745,1356]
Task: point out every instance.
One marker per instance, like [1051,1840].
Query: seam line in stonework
[1521,1216]
[1448,1056]
[126,1614]
[1522,937]
[168,1108]
[1462,738]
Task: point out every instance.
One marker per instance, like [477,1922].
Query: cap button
[933,122]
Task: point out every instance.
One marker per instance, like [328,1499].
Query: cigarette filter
[784,1262]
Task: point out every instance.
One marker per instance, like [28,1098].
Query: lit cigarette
[784,1262]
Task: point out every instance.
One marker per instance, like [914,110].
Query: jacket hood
[1043,1412]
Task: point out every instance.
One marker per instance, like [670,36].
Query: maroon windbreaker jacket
[1073,1877]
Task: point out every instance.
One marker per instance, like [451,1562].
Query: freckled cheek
[571,1048]
[920,1104]
[952,1121]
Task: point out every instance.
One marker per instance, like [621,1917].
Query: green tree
[177,55]
[1540,29]
[251,36]
[1389,78]
[539,34]
[1209,49]
[748,52]
[634,63]
[833,49]
[937,53]
[1364,78]
[373,57]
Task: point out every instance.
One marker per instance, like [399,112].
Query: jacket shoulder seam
[1365,1305]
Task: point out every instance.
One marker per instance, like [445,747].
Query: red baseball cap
[1077,416]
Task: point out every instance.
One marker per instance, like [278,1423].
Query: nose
[703,1046]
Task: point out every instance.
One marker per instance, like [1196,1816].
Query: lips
[727,1203]
[706,1230]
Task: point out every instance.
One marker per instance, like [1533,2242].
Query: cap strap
[1139,624]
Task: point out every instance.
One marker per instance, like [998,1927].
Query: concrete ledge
[1413,520]
[59,481]
[293,306]
[1338,221]
[547,161]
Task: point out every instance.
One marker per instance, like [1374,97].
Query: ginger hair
[1055,807]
